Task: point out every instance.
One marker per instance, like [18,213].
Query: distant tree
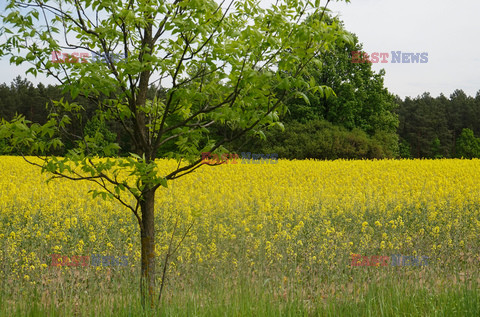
[6,102]
[98,135]
[431,126]
[458,111]
[357,98]
[436,148]
[354,96]
[468,146]
[404,149]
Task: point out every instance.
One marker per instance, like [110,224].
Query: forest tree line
[326,128]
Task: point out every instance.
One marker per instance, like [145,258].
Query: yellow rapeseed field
[302,217]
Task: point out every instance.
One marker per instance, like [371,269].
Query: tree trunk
[147,279]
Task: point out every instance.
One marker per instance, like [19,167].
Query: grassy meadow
[267,240]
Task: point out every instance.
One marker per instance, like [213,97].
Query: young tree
[232,63]
[468,146]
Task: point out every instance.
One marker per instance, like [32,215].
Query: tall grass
[367,292]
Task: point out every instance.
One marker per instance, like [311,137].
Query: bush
[468,146]
[319,139]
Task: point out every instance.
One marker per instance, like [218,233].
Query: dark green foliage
[360,99]
[320,139]
[430,127]
[404,150]
[23,98]
[468,146]
[101,137]
[436,148]
[4,148]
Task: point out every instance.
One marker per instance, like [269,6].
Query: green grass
[369,293]
[392,300]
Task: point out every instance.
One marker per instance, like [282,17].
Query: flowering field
[288,230]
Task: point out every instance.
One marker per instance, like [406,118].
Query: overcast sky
[449,31]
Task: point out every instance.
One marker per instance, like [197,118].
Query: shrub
[468,146]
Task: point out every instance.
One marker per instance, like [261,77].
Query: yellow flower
[265,211]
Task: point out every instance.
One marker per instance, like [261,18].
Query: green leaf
[163,182]
[303,96]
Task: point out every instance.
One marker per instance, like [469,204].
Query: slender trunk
[147,280]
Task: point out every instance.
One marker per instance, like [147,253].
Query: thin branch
[97,179]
